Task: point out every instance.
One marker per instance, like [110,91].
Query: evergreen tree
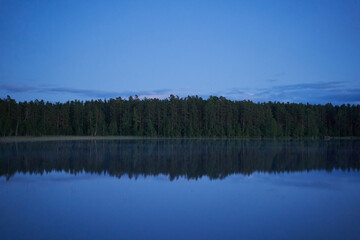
[192,116]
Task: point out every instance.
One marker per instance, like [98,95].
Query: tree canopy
[191,116]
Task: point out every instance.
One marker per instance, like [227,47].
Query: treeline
[177,117]
[189,158]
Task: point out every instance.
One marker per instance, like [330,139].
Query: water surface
[180,189]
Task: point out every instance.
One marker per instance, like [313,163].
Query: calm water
[180,189]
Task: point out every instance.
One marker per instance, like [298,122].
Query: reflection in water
[190,158]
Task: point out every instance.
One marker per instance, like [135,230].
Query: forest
[190,116]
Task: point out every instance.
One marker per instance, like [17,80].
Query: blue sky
[296,51]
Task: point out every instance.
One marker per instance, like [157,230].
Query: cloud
[86,92]
[104,94]
[349,97]
[236,91]
[354,90]
[309,86]
[322,92]
[335,92]
[16,89]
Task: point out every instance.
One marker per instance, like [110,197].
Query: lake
[180,189]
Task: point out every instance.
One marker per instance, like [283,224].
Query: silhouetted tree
[192,116]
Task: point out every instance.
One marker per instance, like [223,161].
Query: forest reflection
[189,158]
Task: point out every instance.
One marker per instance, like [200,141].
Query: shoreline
[86,138]
[63,138]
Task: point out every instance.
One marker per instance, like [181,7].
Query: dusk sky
[296,51]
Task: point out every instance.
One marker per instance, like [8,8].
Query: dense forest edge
[191,116]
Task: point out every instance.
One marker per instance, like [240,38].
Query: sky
[287,51]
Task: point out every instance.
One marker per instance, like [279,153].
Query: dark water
[180,189]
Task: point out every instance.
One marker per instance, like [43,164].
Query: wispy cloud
[86,92]
[321,92]
[16,89]
[310,86]
[335,92]
[349,97]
